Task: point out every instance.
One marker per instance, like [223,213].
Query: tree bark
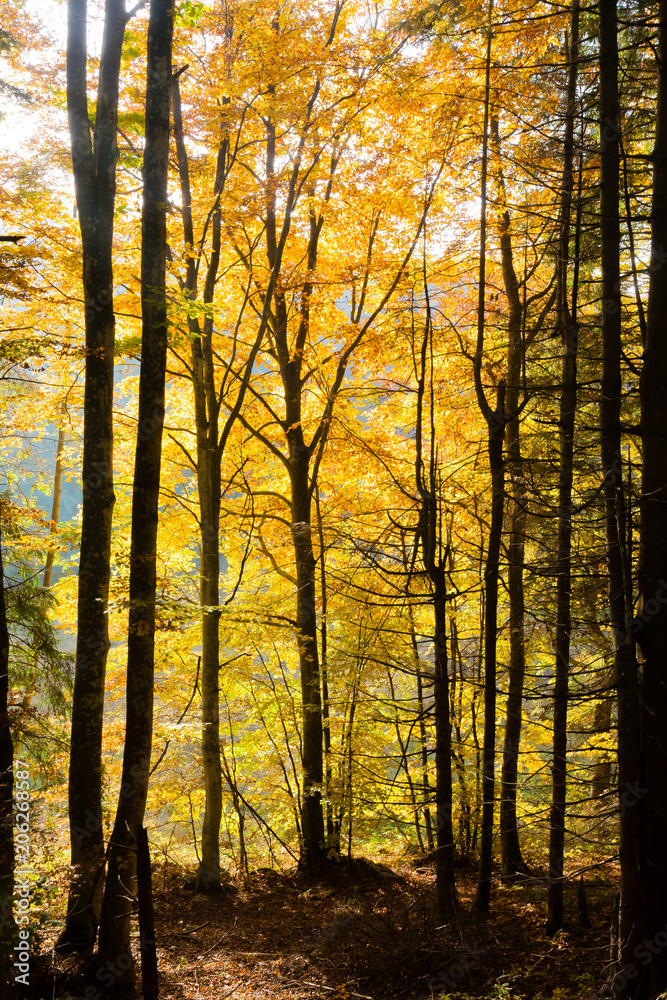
[512,861]
[632,917]
[444,871]
[496,421]
[207,409]
[114,943]
[298,461]
[568,406]
[333,838]
[94,167]
[312,821]
[643,913]
[423,740]
[496,432]
[434,557]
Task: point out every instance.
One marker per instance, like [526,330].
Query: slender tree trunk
[114,943]
[512,860]
[496,430]
[333,842]
[444,871]
[208,483]
[643,914]
[423,713]
[632,915]
[301,489]
[465,805]
[495,421]
[349,786]
[434,555]
[423,741]
[94,157]
[6,797]
[312,820]
[209,491]
[568,406]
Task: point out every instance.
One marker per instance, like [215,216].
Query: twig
[198,928]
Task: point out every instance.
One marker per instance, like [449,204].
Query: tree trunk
[312,820]
[512,860]
[94,167]
[333,841]
[496,431]
[495,422]
[568,406]
[643,913]
[301,488]
[444,867]
[633,920]
[434,556]
[114,944]
[423,740]
[465,804]
[208,487]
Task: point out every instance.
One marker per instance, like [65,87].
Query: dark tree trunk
[568,406]
[423,742]
[6,795]
[147,945]
[94,166]
[298,463]
[496,430]
[114,943]
[632,915]
[643,914]
[495,421]
[444,870]
[434,556]
[512,860]
[312,820]
[208,485]
[333,839]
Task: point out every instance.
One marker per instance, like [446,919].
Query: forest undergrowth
[364,928]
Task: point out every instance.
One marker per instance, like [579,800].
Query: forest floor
[361,930]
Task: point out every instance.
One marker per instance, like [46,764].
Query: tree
[642,750]
[114,940]
[568,406]
[211,442]
[435,556]
[94,154]
[495,418]
[296,214]
[631,770]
